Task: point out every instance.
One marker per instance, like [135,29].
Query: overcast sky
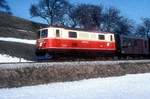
[134,9]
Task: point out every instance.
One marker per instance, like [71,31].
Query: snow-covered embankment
[23,74]
[5,55]
[125,87]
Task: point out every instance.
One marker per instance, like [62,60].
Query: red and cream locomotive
[57,40]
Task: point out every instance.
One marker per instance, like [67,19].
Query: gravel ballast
[25,74]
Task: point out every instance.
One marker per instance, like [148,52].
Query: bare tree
[110,19]
[144,28]
[4,7]
[113,21]
[88,16]
[71,17]
[125,26]
[52,11]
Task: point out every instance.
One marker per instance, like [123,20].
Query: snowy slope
[125,87]
[18,40]
[6,58]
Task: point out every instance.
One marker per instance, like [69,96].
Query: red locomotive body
[56,39]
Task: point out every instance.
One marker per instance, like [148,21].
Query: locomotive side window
[84,35]
[73,34]
[93,36]
[111,38]
[44,33]
[101,37]
[57,33]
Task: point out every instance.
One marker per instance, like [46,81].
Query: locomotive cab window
[101,37]
[57,33]
[38,34]
[43,33]
[72,34]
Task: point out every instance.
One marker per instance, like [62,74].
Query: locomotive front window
[38,34]
[101,37]
[73,34]
[43,33]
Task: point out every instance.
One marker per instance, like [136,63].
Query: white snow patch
[6,58]
[21,30]
[18,40]
[125,87]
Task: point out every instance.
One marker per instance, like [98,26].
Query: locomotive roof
[78,29]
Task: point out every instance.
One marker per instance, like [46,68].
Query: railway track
[62,61]
[79,61]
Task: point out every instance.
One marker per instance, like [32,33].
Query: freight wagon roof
[134,37]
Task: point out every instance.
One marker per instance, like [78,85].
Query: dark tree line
[4,7]
[87,16]
[144,28]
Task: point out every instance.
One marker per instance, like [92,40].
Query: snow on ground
[18,40]
[6,58]
[125,87]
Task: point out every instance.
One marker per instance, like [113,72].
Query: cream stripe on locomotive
[79,35]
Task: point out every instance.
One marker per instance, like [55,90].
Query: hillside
[15,27]
[11,26]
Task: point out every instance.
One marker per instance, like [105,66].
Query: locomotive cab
[42,35]
[46,35]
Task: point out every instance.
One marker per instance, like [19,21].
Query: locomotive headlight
[40,44]
[108,44]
